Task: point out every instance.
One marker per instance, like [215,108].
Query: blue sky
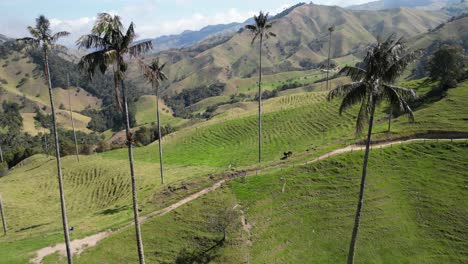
[152,17]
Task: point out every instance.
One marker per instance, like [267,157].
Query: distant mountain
[419,4]
[302,43]
[3,38]
[189,37]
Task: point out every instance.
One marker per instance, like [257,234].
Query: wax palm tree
[43,38]
[154,73]
[77,153]
[330,29]
[261,29]
[384,62]
[112,44]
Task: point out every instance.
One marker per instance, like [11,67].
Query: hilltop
[301,45]
[420,4]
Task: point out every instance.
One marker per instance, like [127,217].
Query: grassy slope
[415,208]
[296,122]
[36,94]
[181,236]
[146,112]
[98,197]
[97,188]
[414,213]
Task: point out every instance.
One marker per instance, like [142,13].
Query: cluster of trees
[17,145]
[112,45]
[146,135]
[188,97]
[447,66]
[108,117]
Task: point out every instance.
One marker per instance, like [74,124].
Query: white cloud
[195,22]
[143,13]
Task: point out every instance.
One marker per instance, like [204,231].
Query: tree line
[113,46]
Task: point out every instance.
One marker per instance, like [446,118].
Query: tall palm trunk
[73,121]
[46,146]
[390,116]
[260,105]
[328,64]
[126,120]
[1,154]
[357,219]
[59,163]
[159,132]
[2,212]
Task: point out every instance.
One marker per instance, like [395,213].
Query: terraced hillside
[98,197]
[414,213]
[97,188]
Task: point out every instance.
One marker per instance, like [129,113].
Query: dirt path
[79,245]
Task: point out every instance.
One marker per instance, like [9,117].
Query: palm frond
[146,69]
[398,66]
[355,73]
[58,35]
[400,97]
[343,90]
[355,93]
[34,32]
[140,48]
[91,41]
[97,60]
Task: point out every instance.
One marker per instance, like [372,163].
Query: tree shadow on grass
[31,227]
[112,211]
[199,257]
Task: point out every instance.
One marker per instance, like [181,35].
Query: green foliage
[109,118]
[447,66]
[11,117]
[145,135]
[181,101]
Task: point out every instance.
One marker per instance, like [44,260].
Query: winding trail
[79,245]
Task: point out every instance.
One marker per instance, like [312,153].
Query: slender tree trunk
[126,120]
[73,121]
[159,133]
[2,212]
[1,154]
[59,163]
[260,106]
[116,92]
[46,146]
[357,219]
[390,116]
[329,51]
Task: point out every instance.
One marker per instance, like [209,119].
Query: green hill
[302,40]
[97,188]
[414,213]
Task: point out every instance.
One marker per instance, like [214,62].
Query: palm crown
[372,84]
[261,28]
[42,35]
[111,43]
[154,71]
